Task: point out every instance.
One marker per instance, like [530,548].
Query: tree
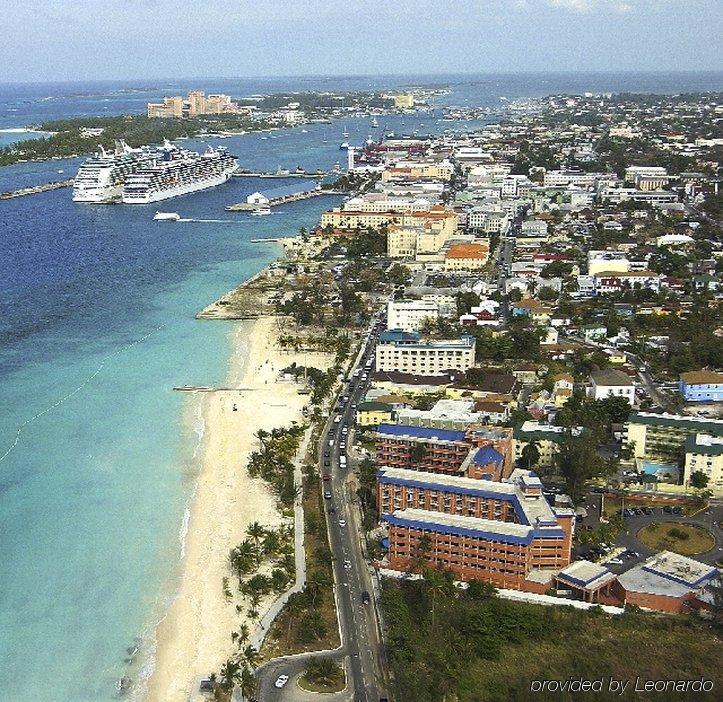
[248,684]
[417,454]
[322,670]
[578,461]
[256,532]
[530,455]
[699,480]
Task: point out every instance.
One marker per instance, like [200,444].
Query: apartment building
[407,353]
[577,178]
[434,520]
[546,437]
[664,435]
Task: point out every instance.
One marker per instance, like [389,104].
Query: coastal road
[361,648]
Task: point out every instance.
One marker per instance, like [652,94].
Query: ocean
[98,454]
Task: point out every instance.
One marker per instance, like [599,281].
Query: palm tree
[530,455]
[256,532]
[243,634]
[230,672]
[251,656]
[248,684]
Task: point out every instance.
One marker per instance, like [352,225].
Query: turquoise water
[661,470]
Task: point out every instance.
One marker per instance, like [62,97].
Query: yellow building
[370,414]
[467,257]
[403,101]
[428,170]
[170,107]
[562,388]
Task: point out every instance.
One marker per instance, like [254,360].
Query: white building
[407,353]
[410,315]
[611,383]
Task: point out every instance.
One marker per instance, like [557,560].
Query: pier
[33,189]
[280,174]
[279,200]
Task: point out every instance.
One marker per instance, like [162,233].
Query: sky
[49,40]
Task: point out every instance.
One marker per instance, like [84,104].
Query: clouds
[615,6]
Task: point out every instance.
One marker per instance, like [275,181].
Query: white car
[281,681]
[342,523]
[347,564]
[614,561]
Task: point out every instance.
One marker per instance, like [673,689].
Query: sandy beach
[194,638]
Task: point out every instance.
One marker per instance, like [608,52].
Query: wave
[75,391]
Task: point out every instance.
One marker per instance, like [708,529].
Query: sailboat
[375,123]
[345,133]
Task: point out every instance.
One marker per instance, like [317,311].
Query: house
[594,332]
[562,388]
[371,414]
[701,386]
[611,383]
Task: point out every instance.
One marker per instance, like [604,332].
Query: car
[347,564]
[281,681]
[326,476]
[327,454]
[327,495]
[647,510]
[614,561]
[668,509]
[337,419]
[327,463]
[342,522]
[345,430]
[206,685]
[365,598]
[677,510]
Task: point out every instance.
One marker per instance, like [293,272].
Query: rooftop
[702,377]
[468,251]
[530,509]
[611,376]
[587,575]
[669,574]
[404,431]
[678,421]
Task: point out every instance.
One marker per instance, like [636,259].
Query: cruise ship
[100,178]
[176,171]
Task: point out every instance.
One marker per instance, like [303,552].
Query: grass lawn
[685,539]
[337,684]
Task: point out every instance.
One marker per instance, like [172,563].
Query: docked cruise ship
[177,171]
[100,178]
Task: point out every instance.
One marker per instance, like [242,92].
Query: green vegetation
[686,539]
[135,130]
[470,646]
[323,675]
[273,461]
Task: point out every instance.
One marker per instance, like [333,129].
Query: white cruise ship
[177,171]
[100,178]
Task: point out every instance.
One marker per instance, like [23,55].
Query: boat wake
[74,392]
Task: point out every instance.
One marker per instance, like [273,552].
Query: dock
[280,200]
[34,189]
[279,174]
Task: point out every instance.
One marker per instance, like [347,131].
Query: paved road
[361,649]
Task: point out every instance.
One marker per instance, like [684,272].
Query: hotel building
[407,353]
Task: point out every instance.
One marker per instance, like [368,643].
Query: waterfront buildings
[408,353]
[196,103]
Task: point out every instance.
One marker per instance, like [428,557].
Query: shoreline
[193,638]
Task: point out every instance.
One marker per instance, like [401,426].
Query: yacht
[261,211]
[375,123]
[166,217]
[345,133]
[101,177]
[176,171]
[344,145]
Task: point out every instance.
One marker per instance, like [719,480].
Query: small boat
[166,217]
[261,211]
[369,140]
[344,145]
[375,123]
[345,133]
[304,131]
[123,685]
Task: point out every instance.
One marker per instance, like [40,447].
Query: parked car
[326,476]
[342,522]
[281,681]
[668,509]
[647,510]
[365,598]
[614,561]
[327,495]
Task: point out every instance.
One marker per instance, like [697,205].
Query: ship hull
[185,189]
[100,195]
